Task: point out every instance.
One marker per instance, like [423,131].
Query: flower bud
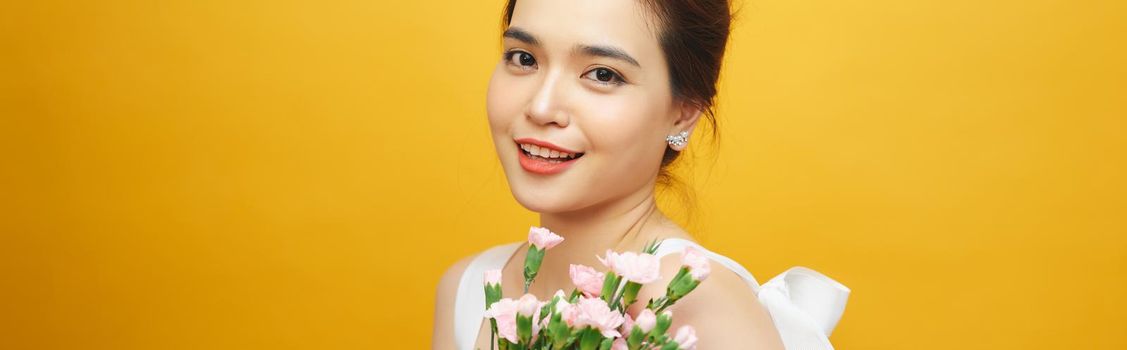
[493,277]
[492,281]
[646,320]
[528,305]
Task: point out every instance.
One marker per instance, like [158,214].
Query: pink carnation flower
[568,312]
[609,260]
[686,337]
[627,325]
[698,264]
[589,281]
[504,312]
[634,267]
[542,238]
[594,312]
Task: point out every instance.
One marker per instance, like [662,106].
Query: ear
[688,114]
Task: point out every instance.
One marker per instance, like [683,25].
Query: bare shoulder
[443,335]
[723,310]
[726,296]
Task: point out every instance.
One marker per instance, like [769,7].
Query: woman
[590,103]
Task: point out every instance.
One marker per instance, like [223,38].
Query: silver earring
[679,140]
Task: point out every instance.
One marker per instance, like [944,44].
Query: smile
[542,158]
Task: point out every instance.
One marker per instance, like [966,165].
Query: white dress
[804,304]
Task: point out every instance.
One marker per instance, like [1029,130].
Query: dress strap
[677,245]
[469,303]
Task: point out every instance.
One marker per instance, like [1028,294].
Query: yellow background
[280,174]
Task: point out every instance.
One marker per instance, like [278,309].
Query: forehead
[564,23]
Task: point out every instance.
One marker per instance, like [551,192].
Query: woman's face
[586,76]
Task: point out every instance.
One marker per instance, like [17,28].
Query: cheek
[623,133]
[499,106]
[624,127]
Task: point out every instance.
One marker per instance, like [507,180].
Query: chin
[550,201]
[536,194]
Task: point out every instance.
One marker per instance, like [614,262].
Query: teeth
[545,152]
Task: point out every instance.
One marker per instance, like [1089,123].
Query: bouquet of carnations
[594,315]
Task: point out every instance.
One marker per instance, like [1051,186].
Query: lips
[542,143]
[545,158]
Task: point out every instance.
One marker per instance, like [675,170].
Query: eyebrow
[608,52]
[521,35]
[589,50]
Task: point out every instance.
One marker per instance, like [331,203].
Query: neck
[621,225]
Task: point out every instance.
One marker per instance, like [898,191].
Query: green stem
[618,299]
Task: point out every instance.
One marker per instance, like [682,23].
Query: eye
[604,76]
[520,58]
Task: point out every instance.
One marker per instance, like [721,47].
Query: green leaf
[651,247]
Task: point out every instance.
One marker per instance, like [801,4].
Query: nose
[549,105]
